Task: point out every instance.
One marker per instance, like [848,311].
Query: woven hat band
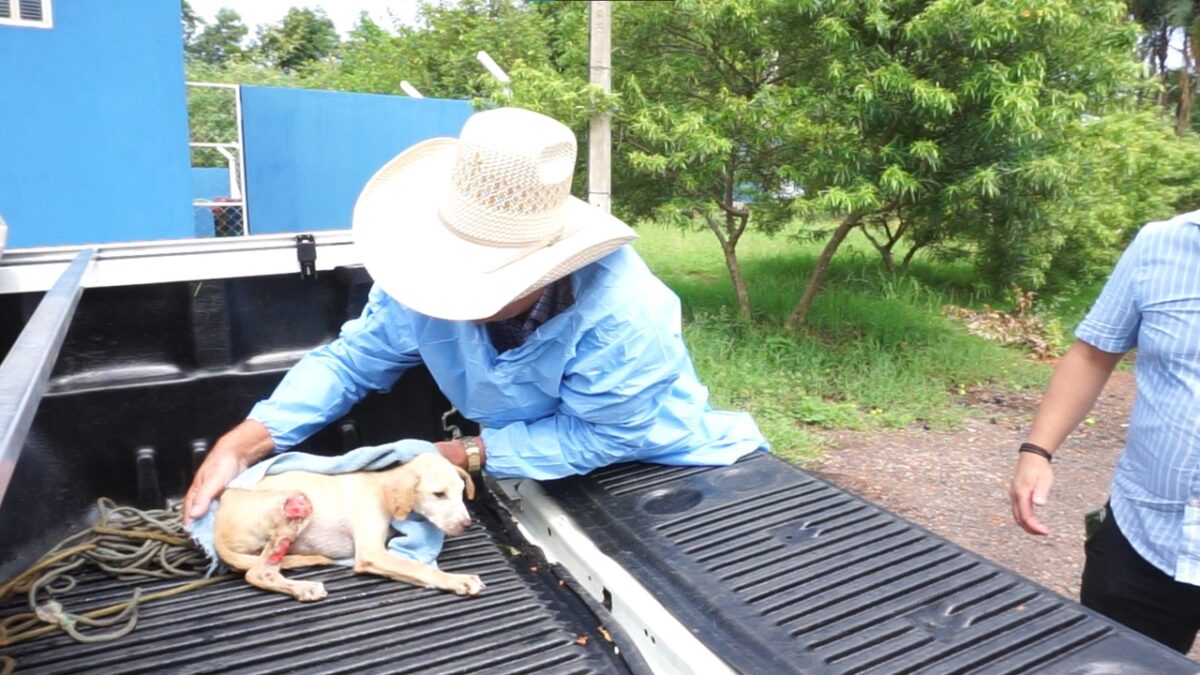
[504,229]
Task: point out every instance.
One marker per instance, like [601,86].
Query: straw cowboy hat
[458,228]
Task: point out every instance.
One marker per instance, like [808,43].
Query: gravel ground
[956,483]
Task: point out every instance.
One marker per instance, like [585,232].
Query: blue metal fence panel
[208,183]
[309,152]
[94,120]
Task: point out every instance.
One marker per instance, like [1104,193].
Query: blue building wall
[94,147]
[210,182]
[309,153]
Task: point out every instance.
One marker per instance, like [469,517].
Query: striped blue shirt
[1152,302]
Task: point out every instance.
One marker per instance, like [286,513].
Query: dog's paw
[308,591]
[464,584]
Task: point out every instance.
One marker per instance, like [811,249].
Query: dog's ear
[467,482]
[401,493]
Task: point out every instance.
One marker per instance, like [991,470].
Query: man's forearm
[249,440]
[1073,390]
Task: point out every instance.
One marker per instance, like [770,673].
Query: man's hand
[234,452]
[1030,487]
[456,452]
[219,467]
[1076,384]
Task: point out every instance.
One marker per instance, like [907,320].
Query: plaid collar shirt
[511,333]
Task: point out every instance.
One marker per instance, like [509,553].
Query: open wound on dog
[281,550]
[297,506]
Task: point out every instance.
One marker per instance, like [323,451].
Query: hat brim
[417,260]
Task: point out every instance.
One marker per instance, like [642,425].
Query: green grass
[876,352]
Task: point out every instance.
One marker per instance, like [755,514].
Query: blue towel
[416,538]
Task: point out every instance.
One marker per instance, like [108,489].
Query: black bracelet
[1037,450]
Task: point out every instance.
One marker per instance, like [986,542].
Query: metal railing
[25,372]
[229,213]
[32,270]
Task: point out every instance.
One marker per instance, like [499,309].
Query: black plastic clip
[351,438]
[306,255]
[199,452]
[149,494]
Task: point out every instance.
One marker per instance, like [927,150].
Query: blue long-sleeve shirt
[607,380]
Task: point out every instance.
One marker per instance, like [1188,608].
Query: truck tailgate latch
[306,255]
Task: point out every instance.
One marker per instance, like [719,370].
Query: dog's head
[433,487]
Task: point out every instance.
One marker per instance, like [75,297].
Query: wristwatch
[474,456]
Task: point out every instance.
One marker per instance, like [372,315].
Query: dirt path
[956,483]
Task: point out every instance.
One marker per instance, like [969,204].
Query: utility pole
[600,131]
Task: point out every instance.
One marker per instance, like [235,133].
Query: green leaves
[303,37]
[1009,129]
[217,42]
[926,154]
[899,184]
[834,31]
[856,199]
[984,181]
[571,100]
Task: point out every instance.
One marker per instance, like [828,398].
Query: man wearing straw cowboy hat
[533,316]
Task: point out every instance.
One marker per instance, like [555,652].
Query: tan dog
[297,519]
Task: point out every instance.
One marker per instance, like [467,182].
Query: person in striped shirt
[1143,561]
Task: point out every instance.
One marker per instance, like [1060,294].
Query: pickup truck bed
[756,568]
[148,375]
[524,622]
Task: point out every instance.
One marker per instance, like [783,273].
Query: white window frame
[16,20]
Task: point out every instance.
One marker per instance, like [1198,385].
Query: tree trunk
[887,247]
[818,274]
[729,239]
[889,257]
[1183,113]
[885,250]
[739,283]
[909,256]
[735,225]
[1161,51]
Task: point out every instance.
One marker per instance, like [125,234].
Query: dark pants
[1120,584]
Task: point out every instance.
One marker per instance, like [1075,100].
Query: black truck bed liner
[523,622]
[147,376]
[776,570]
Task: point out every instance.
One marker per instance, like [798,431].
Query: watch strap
[474,454]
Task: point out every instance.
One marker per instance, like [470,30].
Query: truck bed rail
[25,371]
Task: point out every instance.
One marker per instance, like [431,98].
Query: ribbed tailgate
[778,571]
[523,622]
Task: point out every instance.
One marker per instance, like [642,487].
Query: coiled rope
[128,543]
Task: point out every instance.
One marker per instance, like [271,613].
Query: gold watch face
[471,446]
